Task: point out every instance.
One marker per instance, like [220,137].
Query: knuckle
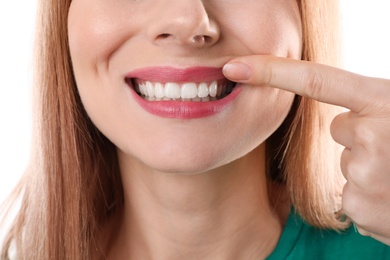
[313,83]
[350,203]
[359,172]
[335,126]
[364,134]
[367,172]
[367,138]
[340,131]
[352,207]
[344,162]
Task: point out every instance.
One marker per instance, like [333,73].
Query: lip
[181,109]
[171,74]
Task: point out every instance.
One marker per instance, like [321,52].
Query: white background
[366,51]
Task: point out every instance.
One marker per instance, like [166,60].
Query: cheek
[267,109]
[270,27]
[97,30]
[94,36]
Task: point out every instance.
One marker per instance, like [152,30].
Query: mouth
[182,91]
[193,92]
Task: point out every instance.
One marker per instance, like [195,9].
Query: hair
[301,153]
[73,185]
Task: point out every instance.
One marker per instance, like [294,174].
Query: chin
[183,166]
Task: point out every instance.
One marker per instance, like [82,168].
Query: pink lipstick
[182,93]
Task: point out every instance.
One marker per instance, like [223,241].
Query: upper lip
[172,74]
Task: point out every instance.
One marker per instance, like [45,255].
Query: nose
[184,23]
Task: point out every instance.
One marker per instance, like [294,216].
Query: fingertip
[237,71]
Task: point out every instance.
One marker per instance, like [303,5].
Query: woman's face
[173,52]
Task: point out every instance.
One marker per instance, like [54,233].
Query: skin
[185,180]
[364,130]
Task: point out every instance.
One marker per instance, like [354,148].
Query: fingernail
[237,71]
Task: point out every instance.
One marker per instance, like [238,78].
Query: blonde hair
[301,153]
[73,184]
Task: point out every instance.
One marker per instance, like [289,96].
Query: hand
[364,131]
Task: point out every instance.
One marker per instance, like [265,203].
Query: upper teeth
[186,91]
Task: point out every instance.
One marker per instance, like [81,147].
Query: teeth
[159,90]
[213,89]
[172,90]
[142,89]
[203,90]
[149,89]
[189,91]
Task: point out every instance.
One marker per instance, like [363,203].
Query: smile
[182,93]
[188,91]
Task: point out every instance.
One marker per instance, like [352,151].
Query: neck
[221,214]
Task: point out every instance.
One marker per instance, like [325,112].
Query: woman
[145,150]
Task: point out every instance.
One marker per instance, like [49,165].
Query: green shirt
[301,241]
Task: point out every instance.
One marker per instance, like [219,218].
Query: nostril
[199,39]
[207,39]
[163,36]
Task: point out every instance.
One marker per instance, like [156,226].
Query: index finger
[320,82]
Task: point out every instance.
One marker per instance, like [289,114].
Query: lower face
[161,98]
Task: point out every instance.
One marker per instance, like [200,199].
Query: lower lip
[186,109]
